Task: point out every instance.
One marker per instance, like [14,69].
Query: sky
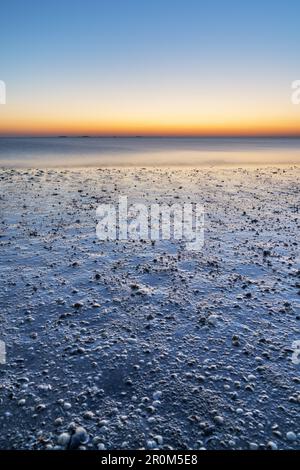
[131,67]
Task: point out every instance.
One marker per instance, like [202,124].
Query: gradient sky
[162,67]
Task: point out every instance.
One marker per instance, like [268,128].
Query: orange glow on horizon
[169,111]
[145,121]
[149,129]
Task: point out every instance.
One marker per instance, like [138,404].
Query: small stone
[200,378]
[157,395]
[72,426]
[104,422]
[151,420]
[291,436]
[212,319]
[235,340]
[63,439]
[40,407]
[272,446]
[79,438]
[22,402]
[219,420]
[58,421]
[253,446]
[151,444]
[151,409]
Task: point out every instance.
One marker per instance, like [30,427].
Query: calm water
[65,152]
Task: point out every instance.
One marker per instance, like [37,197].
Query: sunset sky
[129,67]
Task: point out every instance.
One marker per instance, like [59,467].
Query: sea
[47,152]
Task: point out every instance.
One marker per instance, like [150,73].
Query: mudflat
[144,344]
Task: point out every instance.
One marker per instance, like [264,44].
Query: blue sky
[121,54]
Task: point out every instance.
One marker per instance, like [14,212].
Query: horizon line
[154,136]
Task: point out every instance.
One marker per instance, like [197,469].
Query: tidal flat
[144,344]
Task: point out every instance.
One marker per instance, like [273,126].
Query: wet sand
[146,345]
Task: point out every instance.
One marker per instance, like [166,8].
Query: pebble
[235,340]
[40,407]
[219,419]
[212,319]
[63,439]
[79,438]
[77,305]
[291,436]
[251,377]
[151,444]
[159,439]
[272,446]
